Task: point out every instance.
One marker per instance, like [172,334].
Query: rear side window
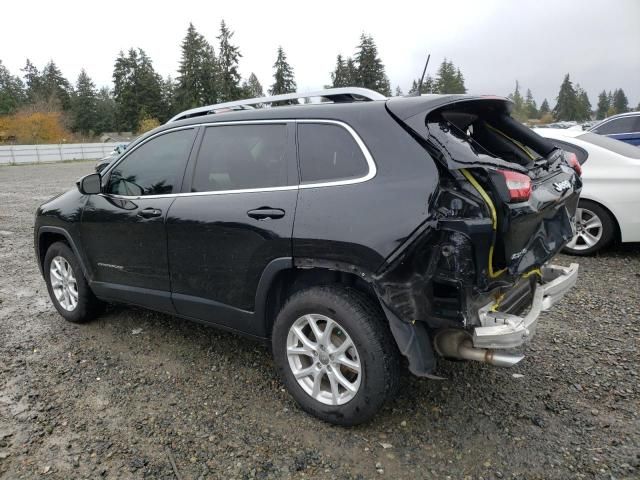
[237,157]
[621,148]
[329,153]
[155,167]
[619,125]
[581,153]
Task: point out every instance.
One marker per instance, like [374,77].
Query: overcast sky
[493,42]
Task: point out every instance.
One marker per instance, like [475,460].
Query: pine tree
[583,105]
[284,81]
[197,72]
[55,85]
[228,77]
[530,106]
[398,91]
[351,72]
[341,76]
[252,87]
[620,102]
[449,79]
[603,105]
[566,103]
[32,81]
[544,108]
[84,105]
[169,103]
[12,94]
[137,89]
[105,112]
[519,110]
[427,86]
[370,72]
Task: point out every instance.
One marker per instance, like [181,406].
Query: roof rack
[337,95]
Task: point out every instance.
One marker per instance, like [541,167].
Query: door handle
[149,213]
[266,212]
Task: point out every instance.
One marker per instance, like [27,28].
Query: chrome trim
[351,181]
[327,93]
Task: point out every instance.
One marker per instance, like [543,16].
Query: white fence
[16,154]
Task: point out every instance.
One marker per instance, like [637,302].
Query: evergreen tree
[370,71]
[544,108]
[352,73]
[427,86]
[449,79]
[252,87]
[620,102]
[398,91]
[603,105]
[84,105]
[583,105]
[519,110]
[196,73]
[566,104]
[32,81]
[54,85]
[137,89]
[530,106]
[341,76]
[228,76]
[12,94]
[284,81]
[169,103]
[105,112]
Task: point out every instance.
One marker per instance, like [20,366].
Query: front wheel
[67,286]
[335,354]
[594,229]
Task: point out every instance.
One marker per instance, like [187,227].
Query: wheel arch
[616,225]
[47,236]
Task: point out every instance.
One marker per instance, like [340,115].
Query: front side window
[238,157]
[154,168]
[329,152]
[619,125]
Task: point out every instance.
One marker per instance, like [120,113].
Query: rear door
[123,229]
[235,220]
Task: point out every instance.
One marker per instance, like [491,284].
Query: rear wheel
[595,229]
[335,354]
[67,286]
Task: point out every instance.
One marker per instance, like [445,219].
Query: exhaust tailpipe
[457,344]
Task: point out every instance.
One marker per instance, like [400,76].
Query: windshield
[616,146]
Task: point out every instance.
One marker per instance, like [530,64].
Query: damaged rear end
[473,280]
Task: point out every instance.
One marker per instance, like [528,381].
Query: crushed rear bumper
[503,330]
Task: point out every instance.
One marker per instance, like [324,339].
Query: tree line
[208,73]
[572,103]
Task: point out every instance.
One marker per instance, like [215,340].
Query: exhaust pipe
[456,344]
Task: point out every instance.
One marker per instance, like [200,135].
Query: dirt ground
[129,394]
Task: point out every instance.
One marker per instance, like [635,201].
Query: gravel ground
[130,394]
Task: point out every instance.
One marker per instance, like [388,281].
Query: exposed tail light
[573,162]
[518,185]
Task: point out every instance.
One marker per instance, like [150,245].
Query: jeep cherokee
[348,233]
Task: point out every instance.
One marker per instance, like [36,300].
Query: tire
[589,240]
[84,305]
[355,318]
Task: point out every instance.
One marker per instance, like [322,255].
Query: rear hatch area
[504,208]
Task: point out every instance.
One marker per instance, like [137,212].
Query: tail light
[518,185]
[572,160]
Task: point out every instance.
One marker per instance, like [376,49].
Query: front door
[237,218]
[123,229]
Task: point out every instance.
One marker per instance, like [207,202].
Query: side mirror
[90,184]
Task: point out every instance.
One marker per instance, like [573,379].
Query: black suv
[349,234]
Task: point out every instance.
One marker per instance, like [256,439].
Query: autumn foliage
[33,128]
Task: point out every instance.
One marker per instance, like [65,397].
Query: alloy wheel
[63,283]
[323,359]
[588,230]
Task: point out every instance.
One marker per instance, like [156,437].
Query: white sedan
[609,207]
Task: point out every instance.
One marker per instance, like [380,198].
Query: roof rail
[337,95]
